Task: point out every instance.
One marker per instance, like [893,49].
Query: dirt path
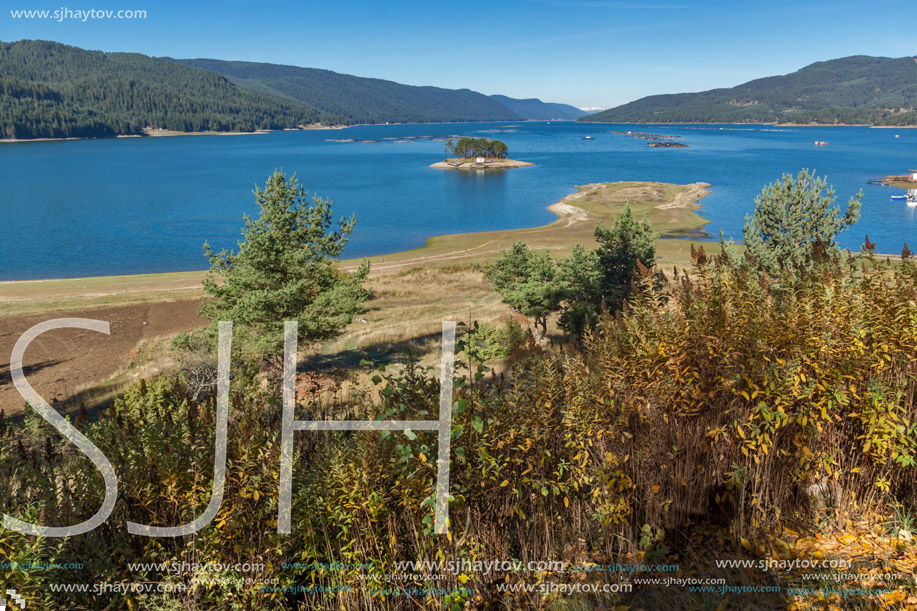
[60,364]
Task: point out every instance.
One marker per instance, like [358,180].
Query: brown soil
[61,363]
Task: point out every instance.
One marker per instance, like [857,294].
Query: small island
[477,154]
[905,181]
[667,145]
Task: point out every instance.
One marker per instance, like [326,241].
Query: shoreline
[173,133]
[488,164]
[311,126]
[568,214]
[169,133]
[752,124]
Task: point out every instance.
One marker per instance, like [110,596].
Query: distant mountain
[533,108]
[851,90]
[357,99]
[50,90]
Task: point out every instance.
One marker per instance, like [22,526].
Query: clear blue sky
[581,52]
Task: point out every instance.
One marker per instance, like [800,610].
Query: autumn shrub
[712,399]
[742,403]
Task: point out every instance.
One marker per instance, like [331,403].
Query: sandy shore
[12,140]
[491,164]
[160,133]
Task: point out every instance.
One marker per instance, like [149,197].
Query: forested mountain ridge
[851,90]
[359,99]
[533,108]
[51,90]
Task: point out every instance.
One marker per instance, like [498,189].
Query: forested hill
[533,108]
[358,99]
[851,90]
[50,90]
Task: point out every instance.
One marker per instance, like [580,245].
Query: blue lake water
[139,205]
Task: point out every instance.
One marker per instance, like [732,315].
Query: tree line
[467,148]
[579,287]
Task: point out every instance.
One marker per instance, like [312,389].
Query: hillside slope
[851,90]
[51,90]
[358,99]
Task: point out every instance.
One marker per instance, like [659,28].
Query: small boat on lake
[821,143]
[588,138]
[910,199]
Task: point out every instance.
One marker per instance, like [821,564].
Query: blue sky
[595,53]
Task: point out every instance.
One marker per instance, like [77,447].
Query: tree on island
[467,148]
[284,270]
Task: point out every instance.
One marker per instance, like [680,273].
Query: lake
[142,205]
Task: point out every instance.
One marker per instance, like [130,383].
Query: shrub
[486,342]
[710,402]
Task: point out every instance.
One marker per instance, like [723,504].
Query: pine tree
[284,270]
[622,249]
[528,281]
[790,216]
